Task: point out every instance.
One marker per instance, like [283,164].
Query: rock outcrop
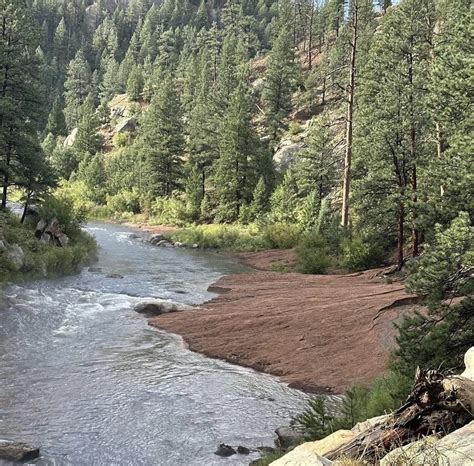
[434,426]
[51,233]
[17,451]
[286,154]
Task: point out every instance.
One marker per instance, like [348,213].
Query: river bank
[318,333]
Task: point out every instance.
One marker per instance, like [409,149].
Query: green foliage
[281,235]
[322,417]
[359,254]
[314,254]
[441,275]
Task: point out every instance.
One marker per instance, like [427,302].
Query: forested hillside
[344,126]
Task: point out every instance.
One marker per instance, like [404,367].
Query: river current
[84,376]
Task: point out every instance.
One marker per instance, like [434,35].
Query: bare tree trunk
[400,235]
[310,36]
[349,118]
[25,208]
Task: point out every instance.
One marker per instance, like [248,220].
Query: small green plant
[295,128]
[358,254]
[314,255]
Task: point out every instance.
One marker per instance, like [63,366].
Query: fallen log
[438,404]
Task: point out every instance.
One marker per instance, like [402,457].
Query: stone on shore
[156,308]
[288,436]
[469,363]
[301,457]
[366,425]
[17,451]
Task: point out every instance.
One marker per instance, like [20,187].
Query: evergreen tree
[236,149]
[135,84]
[161,141]
[88,139]
[56,123]
[77,87]
[19,97]
[280,82]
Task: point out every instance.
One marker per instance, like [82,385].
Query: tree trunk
[349,119]
[25,208]
[400,235]
[310,37]
[440,149]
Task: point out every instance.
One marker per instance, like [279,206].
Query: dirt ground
[319,333]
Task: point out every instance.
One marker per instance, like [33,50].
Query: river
[84,376]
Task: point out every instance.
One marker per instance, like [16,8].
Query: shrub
[280,235]
[121,140]
[314,255]
[357,254]
[295,128]
[169,211]
[125,201]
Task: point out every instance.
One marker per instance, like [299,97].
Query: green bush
[295,128]
[358,254]
[126,201]
[169,211]
[313,254]
[280,235]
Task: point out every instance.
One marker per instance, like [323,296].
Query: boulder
[288,436]
[62,239]
[156,238]
[156,308]
[243,450]
[114,275]
[300,457]
[95,269]
[330,443]
[366,425]
[126,125]
[16,255]
[286,154]
[17,451]
[178,244]
[456,448]
[3,245]
[224,450]
[469,363]
[71,139]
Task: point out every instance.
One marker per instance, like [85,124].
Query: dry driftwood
[438,404]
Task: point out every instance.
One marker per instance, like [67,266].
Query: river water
[85,377]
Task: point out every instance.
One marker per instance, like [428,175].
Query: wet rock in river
[95,269]
[114,275]
[224,450]
[156,308]
[17,451]
[243,450]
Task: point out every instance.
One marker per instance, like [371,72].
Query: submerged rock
[156,308]
[17,451]
[114,275]
[95,269]
[224,450]
[243,450]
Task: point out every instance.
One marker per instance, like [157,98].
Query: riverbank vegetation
[23,256]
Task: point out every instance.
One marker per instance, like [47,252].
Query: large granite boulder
[16,256]
[301,457]
[156,308]
[71,139]
[456,448]
[469,363]
[17,451]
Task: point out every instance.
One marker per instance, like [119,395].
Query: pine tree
[236,148]
[280,80]
[20,101]
[135,83]
[88,140]
[77,87]
[392,121]
[56,123]
[161,141]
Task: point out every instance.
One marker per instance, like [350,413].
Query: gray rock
[289,436]
[71,139]
[95,269]
[156,238]
[133,236]
[286,154]
[126,125]
[179,245]
[224,450]
[17,451]
[16,255]
[195,246]
[156,308]
[114,275]
[243,450]
[3,245]
[62,239]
